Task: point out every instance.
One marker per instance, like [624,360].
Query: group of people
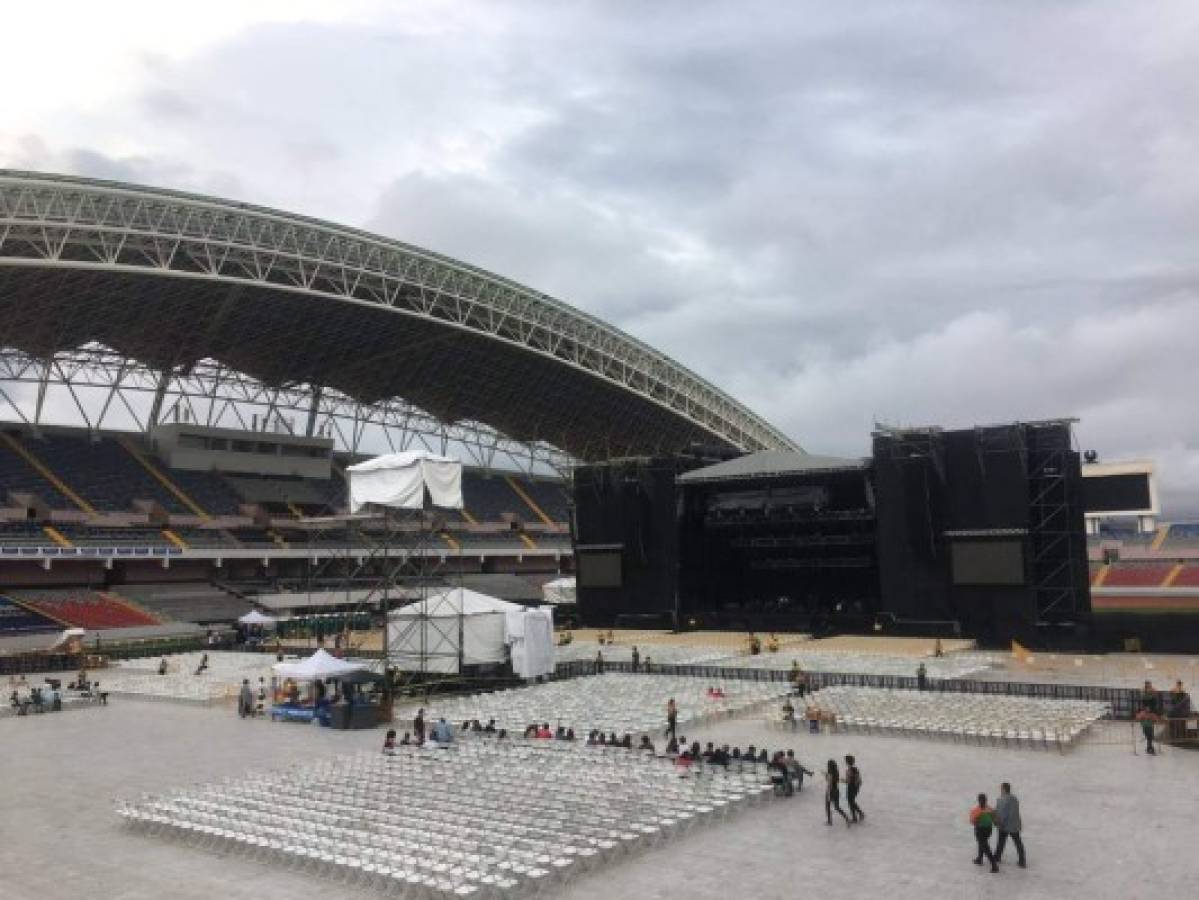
[1151,710]
[1004,816]
[26,698]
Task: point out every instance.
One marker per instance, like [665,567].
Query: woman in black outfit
[832,792]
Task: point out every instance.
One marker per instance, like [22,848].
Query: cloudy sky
[914,213]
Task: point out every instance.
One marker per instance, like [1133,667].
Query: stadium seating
[16,620]
[23,534]
[208,490]
[110,536]
[200,603]
[550,497]
[1188,577]
[102,472]
[489,498]
[18,476]
[87,609]
[1146,575]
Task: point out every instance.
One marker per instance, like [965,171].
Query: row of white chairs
[619,702]
[975,718]
[484,817]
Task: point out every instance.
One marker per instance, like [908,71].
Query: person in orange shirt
[982,817]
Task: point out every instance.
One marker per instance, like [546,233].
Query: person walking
[1007,818]
[853,784]
[245,699]
[672,718]
[982,817]
[832,793]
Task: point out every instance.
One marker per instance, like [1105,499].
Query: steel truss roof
[205,297]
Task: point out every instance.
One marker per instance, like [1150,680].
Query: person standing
[418,726]
[1148,715]
[636,658]
[1178,711]
[245,699]
[853,784]
[599,662]
[921,677]
[672,718]
[832,793]
[982,817]
[1007,818]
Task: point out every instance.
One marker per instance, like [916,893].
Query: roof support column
[313,411]
[160,392]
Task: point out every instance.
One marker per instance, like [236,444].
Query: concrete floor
[1100,822]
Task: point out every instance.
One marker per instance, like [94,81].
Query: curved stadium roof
[174,281]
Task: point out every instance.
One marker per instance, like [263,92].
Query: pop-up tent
[254,617]
[559,591]
[399,480]
[319,666]
[438,633]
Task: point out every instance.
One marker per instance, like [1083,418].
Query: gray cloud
[933,212]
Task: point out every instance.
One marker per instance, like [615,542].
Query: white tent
[254,617]
[559,591]
[424,636]
[531,641]
[399,480]
[316,667]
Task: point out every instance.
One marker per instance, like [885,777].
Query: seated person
[501,735]
[646,744]
[592,738]
[736,754]
[490,728]
[613,741]
[788,712]
[162,666]
[709,752]
[672,748]
[777,768]
[442,732]
[627,741]
[762,757]
[570,734]
[531,731]
[476,726]
[544,731]
[602,740]
[389,742]
[406,740]
[55,700]
[721,757]
[560,734]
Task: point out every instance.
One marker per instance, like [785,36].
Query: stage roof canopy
[771,464]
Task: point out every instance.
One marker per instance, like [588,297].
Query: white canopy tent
[437,633]
[559,591]
[317,667]
[461,627]
[254,617]
[399,480]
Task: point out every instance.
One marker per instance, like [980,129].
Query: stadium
[189,387]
